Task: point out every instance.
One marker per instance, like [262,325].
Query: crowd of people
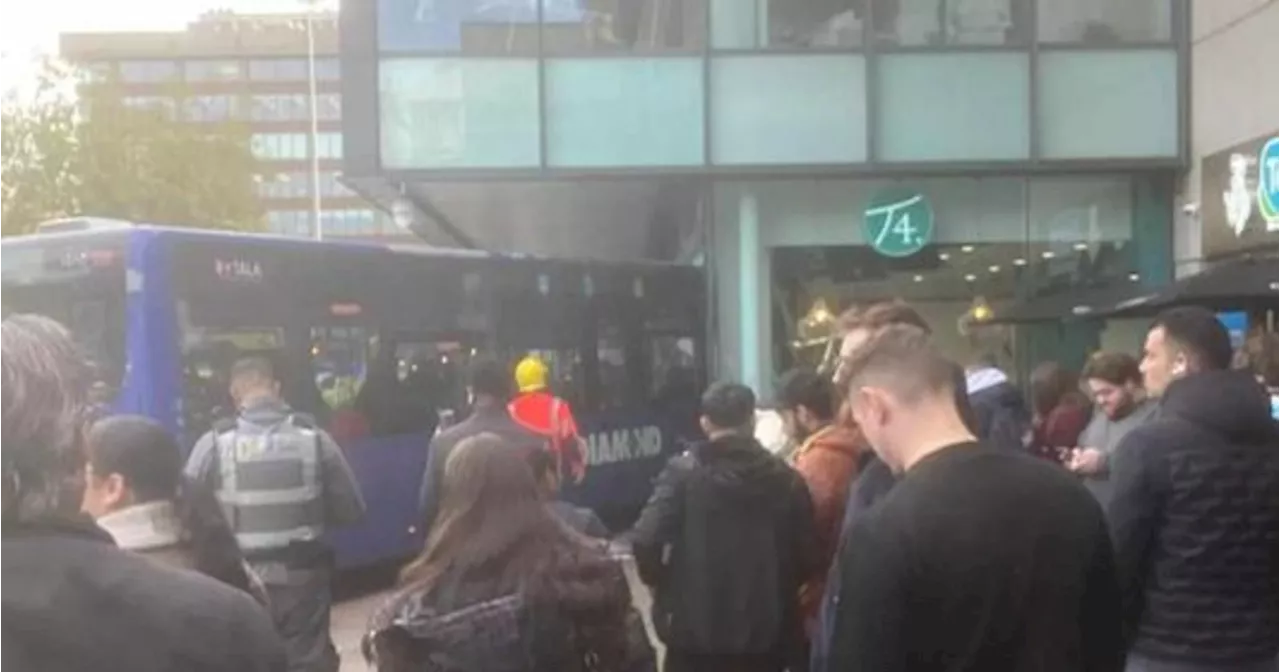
[933,517]
[1122,519]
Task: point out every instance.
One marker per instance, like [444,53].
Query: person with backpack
[726,541]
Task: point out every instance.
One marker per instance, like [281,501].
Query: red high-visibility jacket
[548,415]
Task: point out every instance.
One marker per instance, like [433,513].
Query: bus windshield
[82,287]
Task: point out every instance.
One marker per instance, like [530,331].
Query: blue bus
[373,340]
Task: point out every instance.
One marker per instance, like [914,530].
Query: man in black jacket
[875,480]
[981,559]
[490,389]
[726,541]
[72,600]
[1194,508]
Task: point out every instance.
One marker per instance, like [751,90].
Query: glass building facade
[1044,136]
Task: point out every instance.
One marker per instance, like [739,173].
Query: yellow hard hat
[531,374]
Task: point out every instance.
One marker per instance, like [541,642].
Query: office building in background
[256,69]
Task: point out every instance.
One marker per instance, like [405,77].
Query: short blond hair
[902,358]
[872,319]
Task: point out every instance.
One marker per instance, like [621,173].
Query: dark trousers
[300,604]
[679,661]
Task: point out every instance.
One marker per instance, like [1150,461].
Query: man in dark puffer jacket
[1194,513]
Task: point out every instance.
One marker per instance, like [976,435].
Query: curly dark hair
[46,381]
[495,530]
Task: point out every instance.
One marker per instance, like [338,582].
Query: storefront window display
[789,255]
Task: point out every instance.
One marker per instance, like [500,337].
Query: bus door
[672,327]
[392,337]
[539,310]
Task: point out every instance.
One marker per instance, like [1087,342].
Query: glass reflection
[1105,22]
[954,286]
[459,26]
[574,26]
[925,23]
[762,24]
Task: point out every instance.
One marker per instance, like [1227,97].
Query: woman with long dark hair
[503,584]
[136,491]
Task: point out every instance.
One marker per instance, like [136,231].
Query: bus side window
[422,382]
[620,372]
[339,365]
[673,366]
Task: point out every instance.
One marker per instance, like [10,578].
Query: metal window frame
[871,49]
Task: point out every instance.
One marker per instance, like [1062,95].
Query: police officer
[283,482]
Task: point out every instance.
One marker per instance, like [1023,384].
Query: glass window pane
[280,107]
[329,106]
[1108,104]
[577,26]
[211,70]
[279,145]
[148,71]
[1081,228]
[492,27]
[624,112]
[759,24]
[937,107]
[328,69]
[815,110]
[925,23]
[1105,22]
[161,104]
[329,145]
[210,108]
[278,70]
[452,113]
[97,72]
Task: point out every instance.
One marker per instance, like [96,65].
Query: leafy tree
[37,149]
[101,157]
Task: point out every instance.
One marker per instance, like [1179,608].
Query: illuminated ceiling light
[943,256]
[969,277]
[1133,277]
[1047,254]
[1081,247]
[1019,262]
[966,248]
[981,311]
[993,268]
[918,278]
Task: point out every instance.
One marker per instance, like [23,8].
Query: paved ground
[351,615]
